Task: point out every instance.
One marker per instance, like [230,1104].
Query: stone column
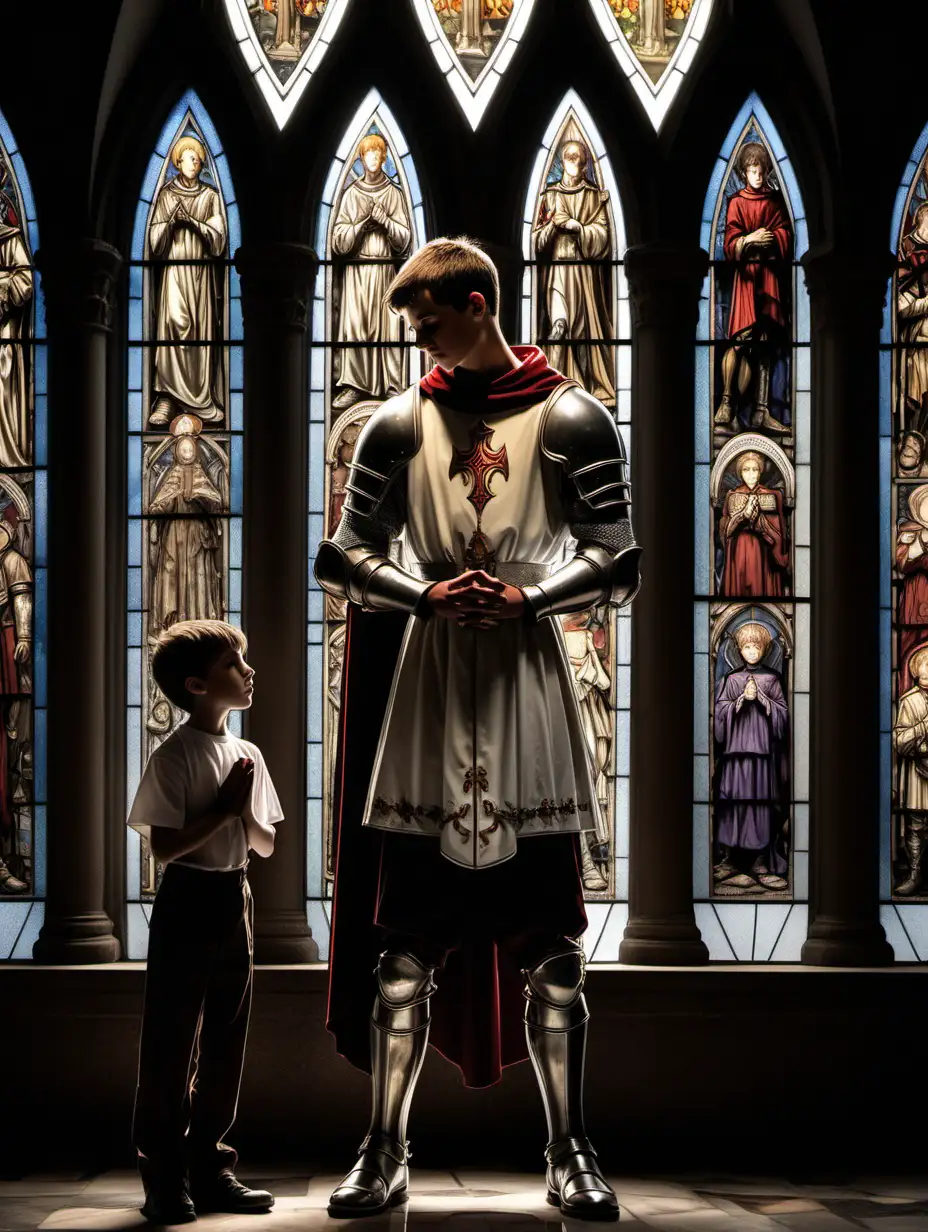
[276,281]
[846,291]
[664,286]
[79,287]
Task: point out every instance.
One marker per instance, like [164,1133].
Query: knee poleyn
[554,992]
[404,986]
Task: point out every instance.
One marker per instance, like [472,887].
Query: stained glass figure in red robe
[758,241]
[753,535]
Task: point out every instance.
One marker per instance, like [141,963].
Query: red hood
[464,390]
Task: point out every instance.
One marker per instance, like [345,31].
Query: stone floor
[472,1201]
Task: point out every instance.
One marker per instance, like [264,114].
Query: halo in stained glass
[283,42]
[473,42]
[655,42]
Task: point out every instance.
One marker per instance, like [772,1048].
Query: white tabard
[482,741]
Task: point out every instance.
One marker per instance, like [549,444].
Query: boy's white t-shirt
[180,784]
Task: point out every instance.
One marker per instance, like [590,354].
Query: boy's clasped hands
[476,600]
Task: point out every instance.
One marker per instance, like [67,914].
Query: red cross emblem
[480,463]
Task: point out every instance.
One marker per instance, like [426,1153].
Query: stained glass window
[751,771]
[184,434]
[23,498]
[575,306]
[655,42]
[283,42]
[473,42]
[904,628]
[370,219]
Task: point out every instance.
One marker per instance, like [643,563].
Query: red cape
[477,1018]
[461,389]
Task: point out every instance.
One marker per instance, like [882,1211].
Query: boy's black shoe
[224,1193]
[168,1204]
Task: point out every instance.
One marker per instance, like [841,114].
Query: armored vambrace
[22,616]
[354,565]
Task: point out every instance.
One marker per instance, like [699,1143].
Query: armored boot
[555,1027]
[725,412]
[590,872]
[399,1037]
[915,850]
[762,417]
[10,884]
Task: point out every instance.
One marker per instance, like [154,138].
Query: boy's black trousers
[194,1022]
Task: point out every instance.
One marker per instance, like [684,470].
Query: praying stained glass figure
[904,599]
[473,42]
[575,307]
[282,43]
[185,425]
[22,562]
[752,554]
[370,219]
[655,42]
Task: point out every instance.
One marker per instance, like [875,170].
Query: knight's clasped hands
[476,600]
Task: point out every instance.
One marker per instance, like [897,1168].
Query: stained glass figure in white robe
[373,231]
[16,287]
[188,226]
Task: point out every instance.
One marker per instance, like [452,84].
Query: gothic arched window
[282,44]
[655,42]
[904,597]
[359,358]
[23,505]
[575,306]
[473,42]
[184,434]
[751,769]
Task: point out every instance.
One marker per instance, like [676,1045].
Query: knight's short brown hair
[191,648]
[751,154]
[451,269]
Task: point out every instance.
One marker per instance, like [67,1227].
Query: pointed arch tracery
[359,357]
[655,42]
[752,552]
[904,575]
[574,305]
[23,585]
[283,44]
[473,42]
[184,434]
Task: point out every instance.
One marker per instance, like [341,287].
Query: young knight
[207,800]
[508,486]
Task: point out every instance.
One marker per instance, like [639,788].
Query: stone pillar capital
[276,284]
[79,280]
[846,287]
[664,283]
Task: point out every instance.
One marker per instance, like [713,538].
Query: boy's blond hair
[191,648]
[450,269]
[753,631]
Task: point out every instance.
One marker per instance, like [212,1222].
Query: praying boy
[508,485]
[207,800]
